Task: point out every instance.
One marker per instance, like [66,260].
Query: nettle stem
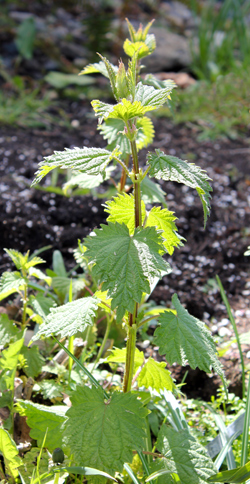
[25,304]
[132,328]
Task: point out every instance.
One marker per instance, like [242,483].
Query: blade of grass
[244,451]
[131,474]
[224,436]
[221,456]
[232,321]
[87,373]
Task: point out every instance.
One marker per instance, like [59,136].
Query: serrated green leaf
[157,83]
[11,282]
[22,261]
[70,318]
[34,272]
[163,220]
[34,361]
[41,305]
[121,209]
[9,357]
[8,330]
[133,261]
[103,298]
[119,356]
[111,75]
[152,192]
[151,97]
[33,262]
[86,181]
[10,453]
[139,47]
[28,463]
[183,338]
[184,455]
[121,81]
[145,133]
[104,433]
[113,131]
[97,67]
[154,375]
[92,161]
[18,258]
[49,389]
[124,110]
[61,285]
[241,474]
[40,418]
[168,167]
[150,42]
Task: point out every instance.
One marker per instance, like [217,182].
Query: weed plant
[112,431]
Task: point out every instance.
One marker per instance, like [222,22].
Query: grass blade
[221,456]
[131,474]
[232,321]
[244,451]
[87,373]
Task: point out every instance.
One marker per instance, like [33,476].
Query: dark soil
[31,219]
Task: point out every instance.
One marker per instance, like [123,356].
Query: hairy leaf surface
[119,356]
[113,131]
[152,192]
[9,357]
[155,375]
[70,318]
[86,181]
[125,264]
[163,220]
[10,453]
[41,418]
[34,361]
[124,110]
[97,67]
[8,330]
[168,167]
[11,282]
[121,209]
[92,161]
[103,433]
[184,455]
[151,97]
[183,338]
[130,48]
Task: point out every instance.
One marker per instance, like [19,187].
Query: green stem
[130,356]
[109,322]
[124,175]
[25,304]
[71,349]
[137,185]
[71,338]
[132,327]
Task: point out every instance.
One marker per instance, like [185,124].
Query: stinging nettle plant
[104,428]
